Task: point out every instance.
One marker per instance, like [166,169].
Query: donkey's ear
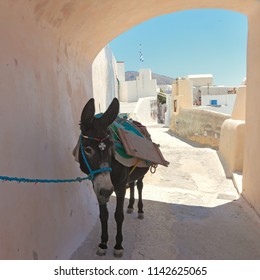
[111,113]
[88,113]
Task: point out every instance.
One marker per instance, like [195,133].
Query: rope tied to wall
[35,181]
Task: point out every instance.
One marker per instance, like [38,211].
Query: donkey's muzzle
[103,187]
[106,193]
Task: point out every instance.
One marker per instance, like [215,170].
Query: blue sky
[204,41]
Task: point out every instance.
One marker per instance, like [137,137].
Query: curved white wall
[41,77]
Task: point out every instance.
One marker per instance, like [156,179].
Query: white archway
[47,52]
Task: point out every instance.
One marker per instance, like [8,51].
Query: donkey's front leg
[103,215]
[119,217]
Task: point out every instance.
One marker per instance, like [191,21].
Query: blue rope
[78,179]
[28,180]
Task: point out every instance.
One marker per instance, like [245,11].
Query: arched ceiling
[93,24]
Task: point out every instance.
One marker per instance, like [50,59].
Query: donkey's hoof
[118,253]
[130,210]
[140,216]
[101,252]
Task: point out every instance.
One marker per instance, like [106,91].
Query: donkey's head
[97,147]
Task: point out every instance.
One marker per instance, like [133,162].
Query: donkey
[97,158]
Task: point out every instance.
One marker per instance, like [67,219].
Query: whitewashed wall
[128,91]
[146,110]
[105,86]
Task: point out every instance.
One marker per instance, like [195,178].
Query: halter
[102,147]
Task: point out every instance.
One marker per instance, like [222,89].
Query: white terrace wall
[232,140]
[226,103]
[200,126]
[46,52]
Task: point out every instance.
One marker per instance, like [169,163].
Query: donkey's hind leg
[140,198]
[130,207]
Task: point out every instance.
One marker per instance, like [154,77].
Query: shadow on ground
[177,231]
[189,142]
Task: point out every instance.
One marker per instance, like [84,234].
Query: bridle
[102,147]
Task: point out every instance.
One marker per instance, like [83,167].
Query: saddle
[132,143]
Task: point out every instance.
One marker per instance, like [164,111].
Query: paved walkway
[191,212]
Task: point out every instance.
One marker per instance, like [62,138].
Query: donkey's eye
[89,151]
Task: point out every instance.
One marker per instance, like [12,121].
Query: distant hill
[161,80]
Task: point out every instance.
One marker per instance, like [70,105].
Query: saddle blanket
[136,128]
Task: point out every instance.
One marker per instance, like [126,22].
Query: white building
[131,91]
[211,97]
[201,80]
[204,94]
